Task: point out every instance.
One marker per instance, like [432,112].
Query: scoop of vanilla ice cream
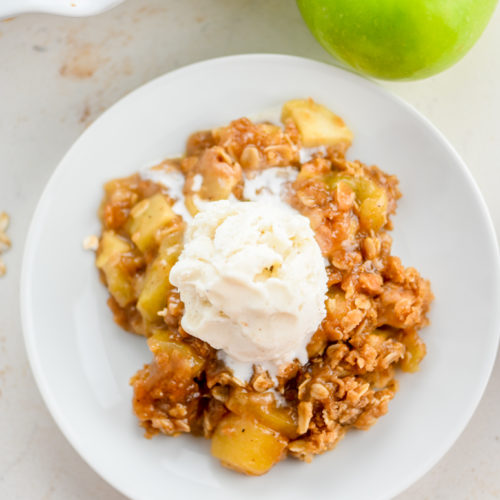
[253,281]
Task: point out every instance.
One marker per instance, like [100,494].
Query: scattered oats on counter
[5,242]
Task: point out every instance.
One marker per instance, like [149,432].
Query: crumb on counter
[5,242]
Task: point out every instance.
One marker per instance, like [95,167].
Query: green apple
[397,39]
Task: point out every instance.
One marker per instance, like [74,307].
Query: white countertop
[58,74]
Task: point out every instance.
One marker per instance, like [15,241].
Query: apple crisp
[375,306]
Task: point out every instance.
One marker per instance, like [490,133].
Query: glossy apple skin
[397,39]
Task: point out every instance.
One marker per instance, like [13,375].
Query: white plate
[82,361]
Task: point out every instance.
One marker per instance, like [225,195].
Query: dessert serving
[258,266]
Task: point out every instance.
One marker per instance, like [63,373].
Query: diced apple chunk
[111,244]
[372,199]
[415,351]
[317,125]
[153,296]
[146,218]
[263,407]
[245,445]
[111,249]
[177,359]
[373,211]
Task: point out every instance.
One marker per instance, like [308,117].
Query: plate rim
[34,229]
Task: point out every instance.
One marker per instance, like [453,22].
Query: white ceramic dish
[73,8]
[82,361]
